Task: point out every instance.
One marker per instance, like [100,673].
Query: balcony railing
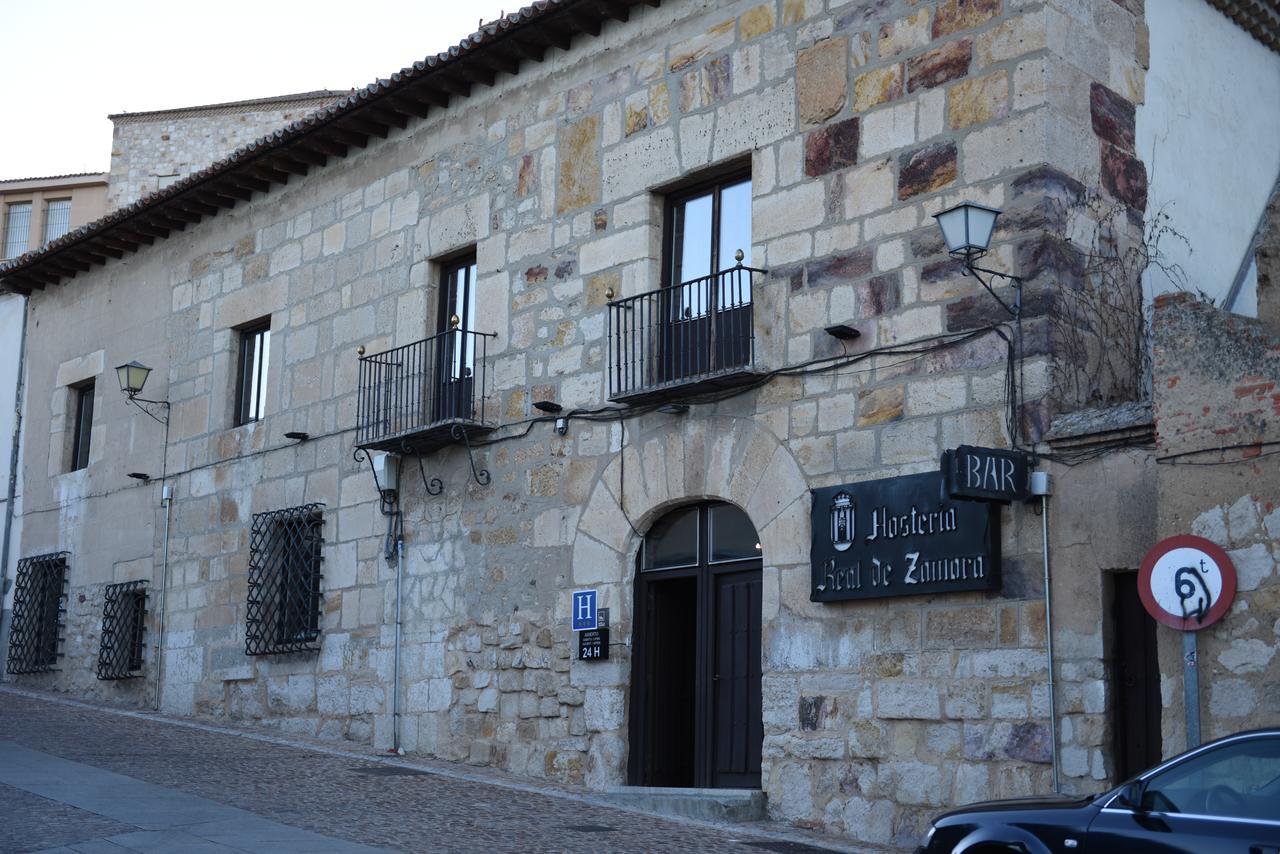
[413,398]
[684,339]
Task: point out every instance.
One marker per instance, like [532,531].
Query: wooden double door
[696,700]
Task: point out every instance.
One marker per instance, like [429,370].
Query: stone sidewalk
[77,777]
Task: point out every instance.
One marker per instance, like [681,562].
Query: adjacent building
[639,311]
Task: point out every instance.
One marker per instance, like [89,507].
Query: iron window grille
[124,621]
[17,229]
[39,600]
[284,581]
[57,219]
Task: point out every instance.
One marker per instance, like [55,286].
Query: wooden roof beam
[234,191]
[585,21]
[348,137]
[387,115]
[412,106]
[136,236]
[166,221]
[266,171]
[615,10]
[69,265]
[306,155]
[476,72]
[452,85]
[150,229]
[288,164]
[498,59]
[191,203]
[242,179]
[425,90]
[526,49]
[79,253]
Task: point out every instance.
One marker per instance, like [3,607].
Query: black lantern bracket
[1015,310]
[158,410]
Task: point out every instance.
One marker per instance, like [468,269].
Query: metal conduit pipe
[166,499]
[13,472]
[395,679]
[1048,635]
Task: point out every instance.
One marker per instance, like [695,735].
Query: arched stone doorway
[696,679]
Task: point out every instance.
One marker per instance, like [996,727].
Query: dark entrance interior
[1135,678]
[696,709]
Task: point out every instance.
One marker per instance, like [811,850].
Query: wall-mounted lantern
[966,229]
[133,376]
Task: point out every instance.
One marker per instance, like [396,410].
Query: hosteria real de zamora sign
[901,536]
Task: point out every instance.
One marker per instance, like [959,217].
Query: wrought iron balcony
[424,395]
[694,337]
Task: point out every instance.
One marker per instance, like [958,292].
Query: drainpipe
[1040,486]
[166,498]
[13,479]
[395,679]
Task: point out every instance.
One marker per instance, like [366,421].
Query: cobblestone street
[74,777]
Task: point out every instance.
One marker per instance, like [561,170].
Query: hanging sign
[901,536]
[1187,583]
[985,474]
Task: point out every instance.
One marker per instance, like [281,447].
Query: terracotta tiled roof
[319,96]
[498,47]
[101,175]
[1259,18]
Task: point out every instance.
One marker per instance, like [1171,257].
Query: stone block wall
[857,123]
[1216,400]
[148,146]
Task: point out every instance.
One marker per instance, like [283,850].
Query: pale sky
[64,66]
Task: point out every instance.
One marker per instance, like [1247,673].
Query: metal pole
[395,683]
[1191,688]
[13,477]
[1048,636]
[166,498]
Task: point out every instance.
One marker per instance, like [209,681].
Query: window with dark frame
[124,615]
[251,380]
[456,350]
[83,434]
[706,226]
[39,598]
[283,613]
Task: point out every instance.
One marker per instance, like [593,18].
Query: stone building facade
[151,150]
[854,123]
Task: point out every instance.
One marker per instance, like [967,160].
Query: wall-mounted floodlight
[843,331]
[548,406]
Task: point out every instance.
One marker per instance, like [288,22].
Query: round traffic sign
[1187,583]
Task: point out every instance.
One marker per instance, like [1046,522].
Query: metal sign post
[1187,583]
[1191,688]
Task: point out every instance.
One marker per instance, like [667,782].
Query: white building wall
[1208,133]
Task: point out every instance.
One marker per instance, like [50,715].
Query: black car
[1221,797]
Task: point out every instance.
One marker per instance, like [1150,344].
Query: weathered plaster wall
[1213,185]
[857,124]
[147,146]
[1216,377]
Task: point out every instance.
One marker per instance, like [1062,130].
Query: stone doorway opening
[696,698]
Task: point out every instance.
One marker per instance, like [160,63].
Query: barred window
[57,219]
[17,229]
[284,581]
[38,605]
[124,621]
